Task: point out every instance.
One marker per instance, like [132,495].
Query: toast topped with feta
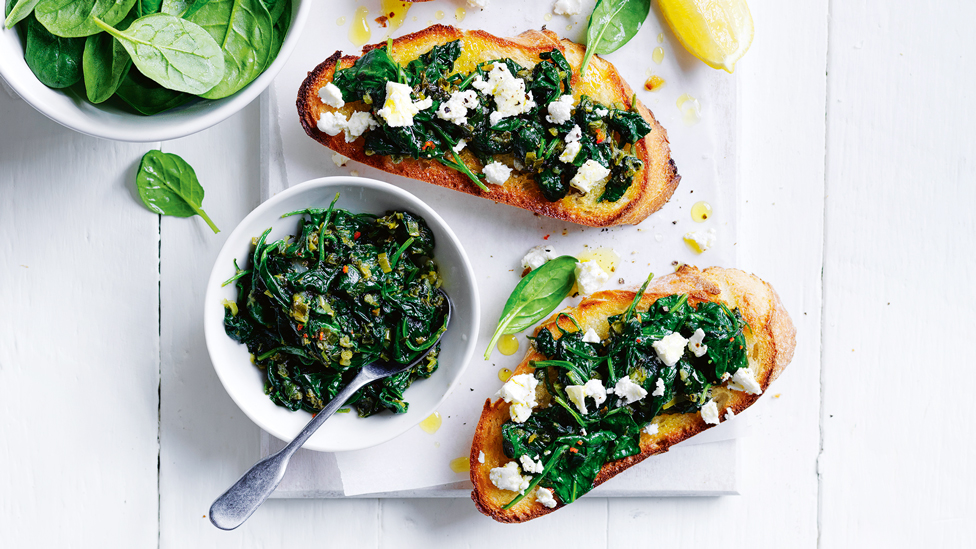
[510,120]
[623,376]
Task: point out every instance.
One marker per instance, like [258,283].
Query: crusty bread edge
[776,334]
[646,202]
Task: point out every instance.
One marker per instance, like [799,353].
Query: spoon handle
[234,506]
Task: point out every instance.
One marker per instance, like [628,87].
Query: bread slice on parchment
[770,340]
[653,184]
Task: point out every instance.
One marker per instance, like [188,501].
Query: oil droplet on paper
[432,423]
[504,374]
[341,21]
[658,55]
[606,258]
[690,109]
[461,464]
[701,211]
[392,13]
[439,14]
[359,31]
[654,83]
[660,38]
[459,14]
[547,17]
[508,345]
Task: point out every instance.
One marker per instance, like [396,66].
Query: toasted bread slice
[770,341]
[652,186]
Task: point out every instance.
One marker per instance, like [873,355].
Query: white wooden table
[857,187]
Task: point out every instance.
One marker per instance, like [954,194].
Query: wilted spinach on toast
[499,110]
[346,290]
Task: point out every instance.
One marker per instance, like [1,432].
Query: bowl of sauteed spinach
[145,70]
[324,278]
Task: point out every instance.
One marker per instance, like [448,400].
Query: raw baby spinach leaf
[105,63]
[55,61]
[148,7]
[176,53]
[147,97]
[168,186]
[612,24]
[535,296]
[280,30]
[16,12]
[345,290]
[76,18]
[243,30]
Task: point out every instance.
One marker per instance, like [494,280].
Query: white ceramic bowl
[245,382]
[103,120]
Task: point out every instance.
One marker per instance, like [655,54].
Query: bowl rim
[213,328]
[160,129]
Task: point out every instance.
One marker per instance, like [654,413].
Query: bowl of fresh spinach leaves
[323,278]
[145,70]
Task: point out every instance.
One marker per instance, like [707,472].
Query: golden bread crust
[770,342]
[652,187]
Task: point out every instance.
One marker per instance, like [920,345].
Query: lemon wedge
[719,32]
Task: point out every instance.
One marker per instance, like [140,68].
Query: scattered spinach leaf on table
[76,18]
[168,186]
[612,24]
[535,296]
[174,52]
[55,61]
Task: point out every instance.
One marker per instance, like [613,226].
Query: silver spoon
[236,505]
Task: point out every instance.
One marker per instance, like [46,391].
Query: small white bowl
[106,121]
[245,382]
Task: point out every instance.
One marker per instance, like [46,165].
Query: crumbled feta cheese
[560,110]
[331,95]
[709,412]
[481,457]
[332,123]
[726,376]
[497,173]
[567,7]
[530,466]
[695,344]
[589,175]
[478,3]
[544,497]
[570,152]
[456,108]
[628,390]
[670,349]
[537,257]
[574,134]
[590,277]
[729,414]
[592,388]
[659,388]
[519,391]
[358,123]
[354,173]
[577,395]
[591,336]
[508,478]
[702,239]
[399,108]
[460,146]
[339,159]
[744,380]
[508,91]
[651,428]
[601,112]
